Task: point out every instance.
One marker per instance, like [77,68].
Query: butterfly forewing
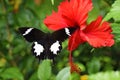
[31,34]
[63,34]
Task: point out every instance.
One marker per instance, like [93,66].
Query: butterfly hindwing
[31,34]
[38,50]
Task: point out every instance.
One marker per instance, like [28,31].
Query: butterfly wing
[63,34]
[31,34]
[37,37]
[58,37]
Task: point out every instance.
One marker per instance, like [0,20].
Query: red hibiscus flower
[74,13]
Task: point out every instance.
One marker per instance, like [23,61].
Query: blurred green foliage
[16,60]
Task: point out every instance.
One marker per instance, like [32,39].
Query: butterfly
[46,45]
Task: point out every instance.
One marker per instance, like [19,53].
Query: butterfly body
[45,45]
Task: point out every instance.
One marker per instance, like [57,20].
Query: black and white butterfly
[46,45]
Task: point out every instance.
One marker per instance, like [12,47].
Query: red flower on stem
[74,13]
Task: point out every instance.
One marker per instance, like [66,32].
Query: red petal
[75,12]
[82,13]
[75,40]
[98,33]
[55,21]
[66,10]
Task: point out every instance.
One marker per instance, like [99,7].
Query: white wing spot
[38,48]
[27,31]
[67,31]
[55,47]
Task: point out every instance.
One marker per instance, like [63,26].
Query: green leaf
[114,12]
[34,76]
[64,74]
[116,31]
[109,75]
[44,71]
[12,73]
